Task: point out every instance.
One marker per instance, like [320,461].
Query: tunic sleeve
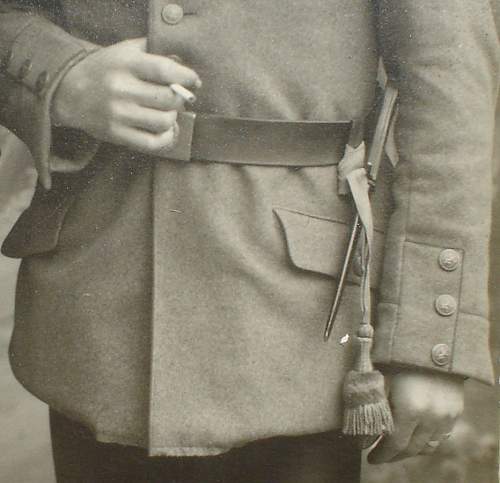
[433,308]
[35,55]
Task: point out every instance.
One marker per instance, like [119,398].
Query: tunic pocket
[318,244]
[37,229]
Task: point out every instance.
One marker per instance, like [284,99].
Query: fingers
[155,96]
[426,439]
[423,439]
[419,441]
[441,433]
[144,118]
[164,71]
[157,68]
[145,142]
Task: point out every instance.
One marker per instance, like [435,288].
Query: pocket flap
[318,244]
[37,229]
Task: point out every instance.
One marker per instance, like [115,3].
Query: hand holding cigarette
[121,94]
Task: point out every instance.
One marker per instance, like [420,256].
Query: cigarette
[186,94]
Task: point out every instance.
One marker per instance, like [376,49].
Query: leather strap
[206,138]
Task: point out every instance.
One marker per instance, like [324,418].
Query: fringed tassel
[366,411]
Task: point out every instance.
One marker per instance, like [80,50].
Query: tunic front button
[440,354]
[446,305]
[449,260]
[172,13]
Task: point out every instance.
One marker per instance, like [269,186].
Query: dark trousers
[319,458]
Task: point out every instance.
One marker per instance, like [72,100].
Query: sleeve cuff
[427,327]
[35,77]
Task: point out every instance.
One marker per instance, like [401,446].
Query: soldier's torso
[192,297]
[263,59]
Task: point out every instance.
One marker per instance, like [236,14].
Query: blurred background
[469,456]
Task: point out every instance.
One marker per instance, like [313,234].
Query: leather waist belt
[218,139]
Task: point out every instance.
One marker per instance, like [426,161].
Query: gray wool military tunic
[180,306]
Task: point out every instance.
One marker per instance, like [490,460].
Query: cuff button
[449,259]
[445,305]
[440,354]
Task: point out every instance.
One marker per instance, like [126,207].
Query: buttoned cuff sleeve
[37,55]
[428,326]
[433,306]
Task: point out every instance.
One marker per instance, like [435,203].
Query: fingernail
[197,83]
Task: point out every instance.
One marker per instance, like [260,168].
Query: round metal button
[172,13]
[440,354]
[24,69]
[42,81]
[449,259]
[446,305]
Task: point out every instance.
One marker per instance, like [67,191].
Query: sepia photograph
[249,241]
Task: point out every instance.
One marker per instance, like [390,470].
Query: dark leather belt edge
[207,138]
